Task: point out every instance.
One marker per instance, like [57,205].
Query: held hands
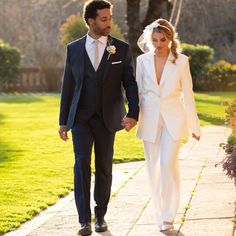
[128,123]
[195,136]
[63,133]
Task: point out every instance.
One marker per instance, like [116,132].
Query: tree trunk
[156,9]
[134,24]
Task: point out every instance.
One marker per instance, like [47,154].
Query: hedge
[222,76]
[200,57]
[10,59]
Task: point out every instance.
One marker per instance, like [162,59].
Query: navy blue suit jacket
[118,71]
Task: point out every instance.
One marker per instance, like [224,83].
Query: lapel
[106,58]
[103,60]
[167,69]
[79,63]
[150,67]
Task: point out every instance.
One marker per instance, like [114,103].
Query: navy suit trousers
[85,134]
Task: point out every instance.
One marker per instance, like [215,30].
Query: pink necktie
[96,56]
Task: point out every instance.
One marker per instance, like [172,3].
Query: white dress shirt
[91,47]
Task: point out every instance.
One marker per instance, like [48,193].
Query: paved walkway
[207,204]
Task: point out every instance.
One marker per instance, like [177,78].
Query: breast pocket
[116,62]
[116,67]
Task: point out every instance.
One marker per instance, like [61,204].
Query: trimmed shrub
[200,56]
[222,76]
[10,58]
[75,27]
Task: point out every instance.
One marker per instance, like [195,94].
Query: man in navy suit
[92,106]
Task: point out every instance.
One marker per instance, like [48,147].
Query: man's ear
[90,21]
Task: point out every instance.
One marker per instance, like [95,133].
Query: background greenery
[219,76]
[36,167]
[10,59]
[75,28]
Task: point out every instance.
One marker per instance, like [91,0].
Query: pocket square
[116,62]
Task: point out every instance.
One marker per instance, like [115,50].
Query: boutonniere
[110,48]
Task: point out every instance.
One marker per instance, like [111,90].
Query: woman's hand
[128,123]
[195,136]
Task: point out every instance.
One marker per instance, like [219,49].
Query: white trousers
[163,173]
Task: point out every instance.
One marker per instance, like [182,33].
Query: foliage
[231,109]
[229,163]
[75,27]
[200,57]
[232,139]
[10,58]
[222,76]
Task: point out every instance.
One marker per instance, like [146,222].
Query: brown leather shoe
[100,225]
[85,229]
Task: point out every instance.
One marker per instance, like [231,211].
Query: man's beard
[103,32]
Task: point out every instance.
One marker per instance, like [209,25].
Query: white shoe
[166,227]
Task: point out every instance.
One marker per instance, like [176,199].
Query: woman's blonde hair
[168,30]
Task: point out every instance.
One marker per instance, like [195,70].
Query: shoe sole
[101,230]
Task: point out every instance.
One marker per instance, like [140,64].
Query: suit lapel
[167,69]
[106,59]
[78,58]
[150,67]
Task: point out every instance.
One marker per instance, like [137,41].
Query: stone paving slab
[208,227]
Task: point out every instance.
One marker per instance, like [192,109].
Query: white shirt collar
[102,39]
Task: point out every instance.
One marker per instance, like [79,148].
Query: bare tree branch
[173,11]
[178,13]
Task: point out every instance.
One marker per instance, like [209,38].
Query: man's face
[101,25]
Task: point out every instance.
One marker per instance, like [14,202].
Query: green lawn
[211,106]
[36,166]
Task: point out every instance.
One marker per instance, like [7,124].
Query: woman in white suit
[167,113]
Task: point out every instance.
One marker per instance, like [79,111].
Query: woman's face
[160,42]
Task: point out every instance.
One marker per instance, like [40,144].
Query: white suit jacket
[173,98]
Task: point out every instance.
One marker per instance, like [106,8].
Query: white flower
[111,50]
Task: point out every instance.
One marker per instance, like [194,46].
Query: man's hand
[128,123]
[63,132]
[195,136]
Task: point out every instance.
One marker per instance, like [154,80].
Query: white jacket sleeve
[187,88]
